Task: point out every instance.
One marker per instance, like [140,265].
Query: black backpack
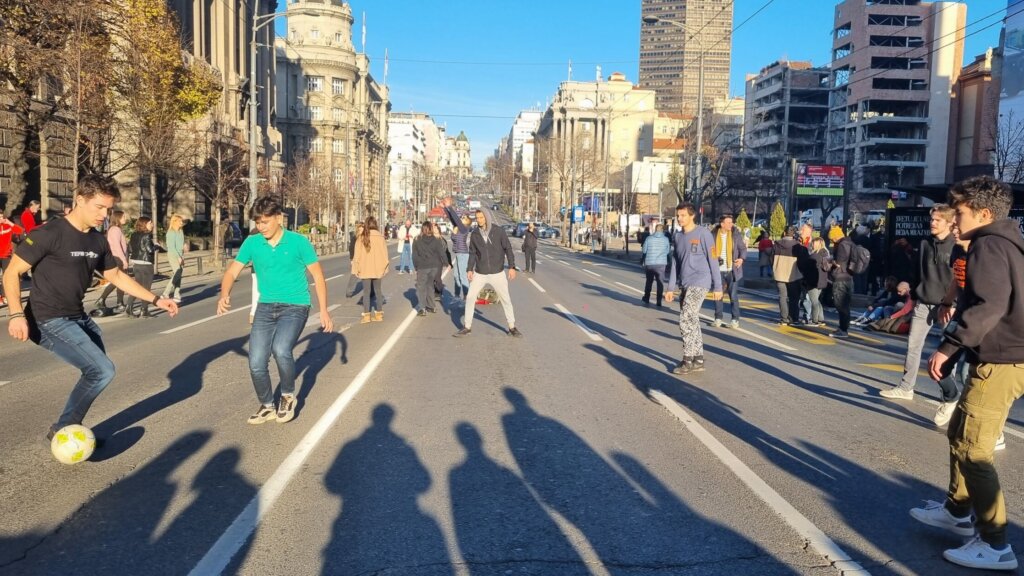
[860,259]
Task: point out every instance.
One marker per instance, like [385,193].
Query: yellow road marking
[867,339]
[807,336]
[892,368]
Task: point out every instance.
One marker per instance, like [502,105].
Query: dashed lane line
[204,320]
[818,540]
[315,318]
[237,534]
[586,330]
[590,272]
[4,382]
[535,285]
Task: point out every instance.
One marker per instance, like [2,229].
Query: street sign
[577,214]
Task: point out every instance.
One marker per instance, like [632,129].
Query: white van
[814,216]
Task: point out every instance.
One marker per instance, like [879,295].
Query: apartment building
[787,111]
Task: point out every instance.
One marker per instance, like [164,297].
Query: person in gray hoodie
[656,249]
[695,272]
[489,248]
[988,329]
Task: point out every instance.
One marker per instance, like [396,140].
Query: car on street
[509,229]
[548,232]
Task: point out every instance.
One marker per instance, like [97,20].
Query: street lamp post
[258,23]
[697,190]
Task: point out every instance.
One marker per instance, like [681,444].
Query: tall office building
[670,51]
[894,67]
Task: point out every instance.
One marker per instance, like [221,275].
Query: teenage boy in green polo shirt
[280,258]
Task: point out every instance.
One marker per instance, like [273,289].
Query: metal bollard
[199,266]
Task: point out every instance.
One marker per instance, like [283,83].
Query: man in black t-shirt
[63,256]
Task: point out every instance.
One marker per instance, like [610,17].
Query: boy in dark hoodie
[988,329]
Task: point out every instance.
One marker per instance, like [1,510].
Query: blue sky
[474,64]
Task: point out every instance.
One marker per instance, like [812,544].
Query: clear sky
[474,64]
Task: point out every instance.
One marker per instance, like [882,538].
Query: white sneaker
[935,514]
[734,324]
[1000,443]
[944,413]
[897,393]
[976,553]
[717,323]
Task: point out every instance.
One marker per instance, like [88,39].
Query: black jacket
[488,256]
[529,240]
[815,268]
[141,248]
[843,252]
[989,325]
[429,252]
[934,272]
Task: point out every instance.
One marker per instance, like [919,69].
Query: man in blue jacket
[695,272]
[656,250]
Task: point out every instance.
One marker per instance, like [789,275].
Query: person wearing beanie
[842,280]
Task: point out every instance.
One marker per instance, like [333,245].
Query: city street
[572,450]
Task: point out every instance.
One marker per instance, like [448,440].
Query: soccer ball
[73,444]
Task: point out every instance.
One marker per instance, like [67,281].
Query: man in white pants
[488,249]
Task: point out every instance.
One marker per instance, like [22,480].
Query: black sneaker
[463,332]
[684,367]
[264,414]
[515,332]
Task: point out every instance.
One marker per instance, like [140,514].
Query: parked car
[509,229]
[548,232]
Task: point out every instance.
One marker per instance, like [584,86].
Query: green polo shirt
[281,269]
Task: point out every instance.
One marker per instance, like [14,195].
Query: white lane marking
[535,285]
[589,272]
[333,277]
[315,318]
[586,330]
[627,287]
[936,403]
[818,540]
[223,550]
[563,263]
[202,320]
[4,382]
[779,345]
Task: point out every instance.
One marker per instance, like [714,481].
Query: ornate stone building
[330,108]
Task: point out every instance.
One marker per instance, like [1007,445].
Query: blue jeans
[275,329]
[405,262]
[76,340]
[731,288]
[461,278]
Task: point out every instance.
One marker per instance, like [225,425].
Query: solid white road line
[586,330]
[627,287]
[220,554]
[774,343]
[818,540]
[315,318]
[201,321]
[589,272]
[535,285]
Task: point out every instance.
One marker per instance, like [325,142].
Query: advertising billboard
[1011,98]
[817,180]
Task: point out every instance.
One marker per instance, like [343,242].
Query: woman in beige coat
[370,263]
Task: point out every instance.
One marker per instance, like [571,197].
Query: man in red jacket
[28,216]
[8,230]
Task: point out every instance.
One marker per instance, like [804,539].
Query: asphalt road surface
[572,450]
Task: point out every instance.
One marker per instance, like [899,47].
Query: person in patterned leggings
[694,270]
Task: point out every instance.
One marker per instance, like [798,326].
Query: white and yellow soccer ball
[73,444]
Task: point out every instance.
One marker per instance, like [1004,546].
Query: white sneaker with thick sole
[935,514]
[944,413]
[977,553]
[897,393]
[1001,442]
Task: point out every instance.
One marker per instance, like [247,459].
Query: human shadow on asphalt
[621,339]
[118,531]
[867,400]
[499,524]
[321,348]
[873,505]
[629,530]
[620,297]
[381,527]
[186,380]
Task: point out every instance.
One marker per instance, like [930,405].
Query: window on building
[314,34]
[315,83]
[339,176]
[338,38]
[338,86]
[316,113]
[336,115]
[338,146]
[317,145]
